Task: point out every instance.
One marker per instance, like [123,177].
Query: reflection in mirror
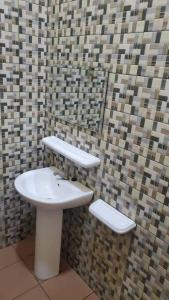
[79,96]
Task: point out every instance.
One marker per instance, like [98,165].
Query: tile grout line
[85,298]
[10,265]
[44,291]
[41,285]
[25,292]
[38,282]
[32,271]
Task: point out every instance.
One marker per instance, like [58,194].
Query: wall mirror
[79,96]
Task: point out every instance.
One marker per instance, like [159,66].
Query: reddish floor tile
[64,266]
[66,286]
[26,247]
[92,297]
[34,294]
[15,280]
[16,274]
[8,256]
[29,262]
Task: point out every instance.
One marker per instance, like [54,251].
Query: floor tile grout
[13,263]
[85,298]
[21,260]
[25,292]
[32,272]
[38,282]
[7,266]
[45,292]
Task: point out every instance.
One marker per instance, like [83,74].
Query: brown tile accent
[8,256]
[64,266]
[92,297]
[29,262]
[35,294]
[66,286]
[15,280]
[26,247]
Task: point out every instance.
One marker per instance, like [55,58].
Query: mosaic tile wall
[22,103]
[129,38]
[78,95]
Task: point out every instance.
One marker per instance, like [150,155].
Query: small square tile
[35,294]
[66,286]
[15,280]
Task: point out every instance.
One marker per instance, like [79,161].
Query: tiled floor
[18,282]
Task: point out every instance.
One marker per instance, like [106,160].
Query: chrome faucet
[61,176]
[66,176]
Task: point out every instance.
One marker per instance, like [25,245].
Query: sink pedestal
[42,189]
[48,242]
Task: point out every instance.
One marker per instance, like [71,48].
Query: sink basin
[45,189]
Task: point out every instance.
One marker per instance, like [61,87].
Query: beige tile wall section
[22,105]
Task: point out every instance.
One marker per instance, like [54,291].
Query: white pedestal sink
[50,194]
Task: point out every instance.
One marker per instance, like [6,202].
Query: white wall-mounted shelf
[76,155]
[111,217]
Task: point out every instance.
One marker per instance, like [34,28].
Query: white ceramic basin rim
[42,188]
